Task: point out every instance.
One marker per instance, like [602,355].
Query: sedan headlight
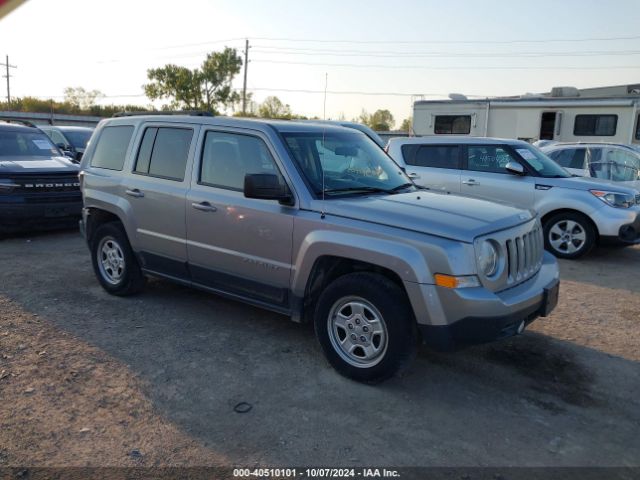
[488,258]
[615,199]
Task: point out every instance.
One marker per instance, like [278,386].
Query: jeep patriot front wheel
[365,326]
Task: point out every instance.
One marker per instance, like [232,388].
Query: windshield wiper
[363,189]
[402,187]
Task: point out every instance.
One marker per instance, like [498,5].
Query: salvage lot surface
[91,379]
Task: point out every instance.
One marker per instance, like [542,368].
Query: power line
[360,53]
[423,67]
[416,42]
[212,42]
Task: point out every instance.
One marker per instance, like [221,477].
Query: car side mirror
[266,186]
[515,168]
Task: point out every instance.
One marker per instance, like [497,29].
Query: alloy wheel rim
[111,260]
[357,332]
[567,236]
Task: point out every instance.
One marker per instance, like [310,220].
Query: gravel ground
[91,379]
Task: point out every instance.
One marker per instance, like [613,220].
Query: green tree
[207,87]
[81,98]
[407,124]
[272,107]
[380,120]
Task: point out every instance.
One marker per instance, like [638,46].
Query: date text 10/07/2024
[315,473]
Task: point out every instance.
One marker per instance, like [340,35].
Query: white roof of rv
[537,102]
[456,139]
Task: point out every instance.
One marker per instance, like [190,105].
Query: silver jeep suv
[576,213]
[315,222]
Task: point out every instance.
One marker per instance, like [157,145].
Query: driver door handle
[470,182]
[204,206]
[134,192]
[413,175]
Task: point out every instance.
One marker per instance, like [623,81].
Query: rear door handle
[134,192]
[470,182]
[204,206]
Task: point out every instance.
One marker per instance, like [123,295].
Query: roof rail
[192,113]
[24,122]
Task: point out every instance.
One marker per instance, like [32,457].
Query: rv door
[550,123]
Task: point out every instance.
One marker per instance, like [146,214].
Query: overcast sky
[391,48]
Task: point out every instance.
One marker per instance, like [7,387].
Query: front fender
[403,259]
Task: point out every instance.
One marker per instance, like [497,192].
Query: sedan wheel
[567,236]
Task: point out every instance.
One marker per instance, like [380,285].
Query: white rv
[607,114]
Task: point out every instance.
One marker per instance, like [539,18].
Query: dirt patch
[553,373]
[66,403]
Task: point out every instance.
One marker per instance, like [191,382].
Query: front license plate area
[550,299]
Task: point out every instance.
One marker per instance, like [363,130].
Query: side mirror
[266,186]
[515,168]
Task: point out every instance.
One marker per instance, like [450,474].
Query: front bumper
[628,234]
[21,216]
[467,316]
[618,225]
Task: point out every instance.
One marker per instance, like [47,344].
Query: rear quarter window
[111,148]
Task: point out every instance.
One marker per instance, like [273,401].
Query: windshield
[78,138]
[368,132]
[15,143]
[351,163]
[543,165]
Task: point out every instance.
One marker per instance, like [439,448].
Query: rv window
[595,125]
[452,125]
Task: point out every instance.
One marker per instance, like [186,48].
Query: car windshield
[14,143]
[345,163]
[78,138]
[543,165]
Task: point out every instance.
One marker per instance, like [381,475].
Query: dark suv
[70,139]
[38,185]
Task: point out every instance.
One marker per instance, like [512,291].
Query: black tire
[575,246]
[125,280]
[378,295]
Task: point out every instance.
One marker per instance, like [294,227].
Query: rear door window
[438,156]
[112,146]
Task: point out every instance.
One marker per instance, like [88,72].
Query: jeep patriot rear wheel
[366,327]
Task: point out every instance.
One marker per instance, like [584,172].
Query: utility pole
[246,66]
[7,76]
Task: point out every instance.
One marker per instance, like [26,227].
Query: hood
[634,184]
[37,165]
[589,183]
[444,215]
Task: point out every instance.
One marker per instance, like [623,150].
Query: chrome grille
[524,255]
[521,251]
[638,199]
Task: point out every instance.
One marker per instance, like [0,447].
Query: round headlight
[488,258]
